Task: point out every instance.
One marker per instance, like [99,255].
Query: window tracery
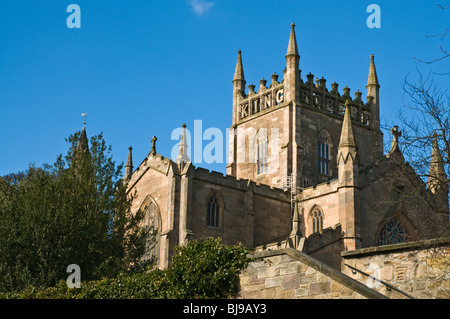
[392,232]
[323,154]
[317,220]
[152,221]
[213,211]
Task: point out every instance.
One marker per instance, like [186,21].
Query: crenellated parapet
[264,98]
[313,94]
[240,184]
[317,96]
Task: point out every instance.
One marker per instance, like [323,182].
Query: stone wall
[326,246]
[150,183]
[290,274]
[251,213]
[324,196]
[271,123]
[419,269]
[315,121]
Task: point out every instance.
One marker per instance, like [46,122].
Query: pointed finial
[373,78]
[182,153]
[296,219]
[129,166]
[292,46]
[295,238]
[239,71]
[347,137]
[437,175]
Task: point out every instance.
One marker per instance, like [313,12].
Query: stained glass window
[392,233]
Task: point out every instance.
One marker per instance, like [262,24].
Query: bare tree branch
[441,7]
[441,37]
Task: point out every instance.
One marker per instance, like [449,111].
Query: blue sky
[143,68]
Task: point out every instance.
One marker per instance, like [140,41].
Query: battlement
[314,95]
[310,192]
[218,178]
[263,99]
[317,96]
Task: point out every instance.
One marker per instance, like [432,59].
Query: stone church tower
[284,127]
[306,170]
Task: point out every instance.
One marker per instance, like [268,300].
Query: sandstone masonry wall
[420,269]
[291,274]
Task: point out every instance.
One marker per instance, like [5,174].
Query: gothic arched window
[317,220]
[213,211]
[152,220]
[261,155]
[323,153]
[392,232]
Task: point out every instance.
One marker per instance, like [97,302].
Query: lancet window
[213,211]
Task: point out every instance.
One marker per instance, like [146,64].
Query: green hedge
[202,269]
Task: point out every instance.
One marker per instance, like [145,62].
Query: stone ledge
[386,249]
[324,269]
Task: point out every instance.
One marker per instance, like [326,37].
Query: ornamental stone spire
[348,190]
[373,90]
[239,71]
[347,137]
[238,87]
[295,240]
[437,177]
[182,154]
[292,73]
[292,45]
[373,78]
[129,166]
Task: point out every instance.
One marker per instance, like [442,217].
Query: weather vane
[85,116]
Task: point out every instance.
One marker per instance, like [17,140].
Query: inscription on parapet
[333,102]
[315,96]
[267,99]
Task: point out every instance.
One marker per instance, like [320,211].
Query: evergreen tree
[75,211]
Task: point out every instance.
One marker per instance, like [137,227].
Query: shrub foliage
[203,268]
